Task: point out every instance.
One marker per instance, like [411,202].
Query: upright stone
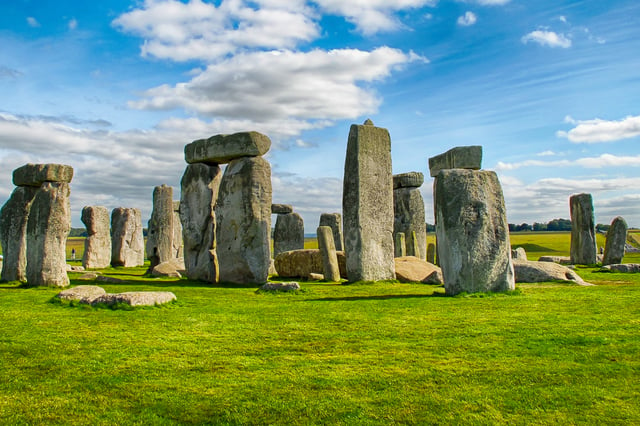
[178,245]
[461,157]
[331,269]
[413,246]
[200,184]
[288,233]
[13,233]
[616,240]
[367,204]
[334,221]
[400,246]
[47,231]
[473,235]
[431,253]
[243,221]
[160,229]
[409,216]
[583,230]
[127,241]
[97,245]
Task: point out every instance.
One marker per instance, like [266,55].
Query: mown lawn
[333,354]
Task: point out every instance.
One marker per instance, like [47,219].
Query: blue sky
[550,89]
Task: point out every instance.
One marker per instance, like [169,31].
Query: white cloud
[546,154]
[468,19]
[604,160]
[597,130]
[487,2]
[33,22]
[547,38]
[73,24]
[283,85]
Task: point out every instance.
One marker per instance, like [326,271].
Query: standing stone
[399,249]
[288,233]
[127,241]
[47,231]
[616,240]
[243,221]
[200,184]
[473,235]
[178,246]
[413,247]
[13,233]
[367,204]
[327,248]
[431,253]
[583,230]
[334,221]
[97,245]
[160,229]
[409,214]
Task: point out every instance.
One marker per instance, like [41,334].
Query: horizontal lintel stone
[461,157]
[221,149]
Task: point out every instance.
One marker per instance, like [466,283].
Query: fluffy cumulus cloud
[547,38]
[597,130]
[468,19]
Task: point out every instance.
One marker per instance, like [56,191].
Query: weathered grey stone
[519,253]
[409,218]
[171,268]
[37,174]
[291,286]
[303,263]
[13,233]
[334,221]
[615,243]
[281,208]
[461,157]
[89,276]
[97,245]
[412,269]
[243,217]
[288,234]
[200,184]
[83,293]
[367,204]
[473,235]
[127,241]
[220,149]
[331,269]
[47,230]
[583,230]
[110,280]
[136,298]
[534,272]
[408,180]
[178,244]
[633,268]
[75,268]
[399,245]
[315,277]
[431,253]
[562,260]
[160,228]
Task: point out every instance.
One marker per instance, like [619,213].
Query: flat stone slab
[563,260]
[82,293]
[281,209]
[461,157]
[171,268]
[137,298]
[290,286]
[37,174]
[408,180]
[413,269]
[221,149]
[631,268]
[303,263]
[527,271]
[89,276]
[111,280]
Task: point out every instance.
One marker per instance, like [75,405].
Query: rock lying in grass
[519,253]
[302,263]
[75,268]
[533,272]
[412,269]
[315,277]
[112,280]
[562,260]
[136,298]
[82,293]
[290,286]
[632,268]
[89,276]
[171,268]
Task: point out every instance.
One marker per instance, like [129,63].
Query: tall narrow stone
[413,246]
[200,184]
[127,241]
[288,234]
[160,229]
[243,221]
[334,221]
[616,240]
[400,246]
[97,245]
[178,245]
[409,216]
[331,269]
[13,233]
[583,230]
[431,253]
[367,204]
[47,231]
[474,251]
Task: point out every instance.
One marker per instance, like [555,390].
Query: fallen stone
[111,280]
[629,268]
[519,253]
[462,157]
[281,209]
[534,272]
[83,293]
[221,149]
[37,174]
[89,276]
[302,263]
[75,268]
[290,286]
[562,260]
[408,180]
[171,268]
[316,277]
[412,269]
[136,298]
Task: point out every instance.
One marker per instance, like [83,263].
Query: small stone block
[408,180]
[289,286]
[221,149]
[462,157]
[281,209]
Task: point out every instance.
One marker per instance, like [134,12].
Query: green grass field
[378,353]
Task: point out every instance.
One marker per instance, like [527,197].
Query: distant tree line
[552,226]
